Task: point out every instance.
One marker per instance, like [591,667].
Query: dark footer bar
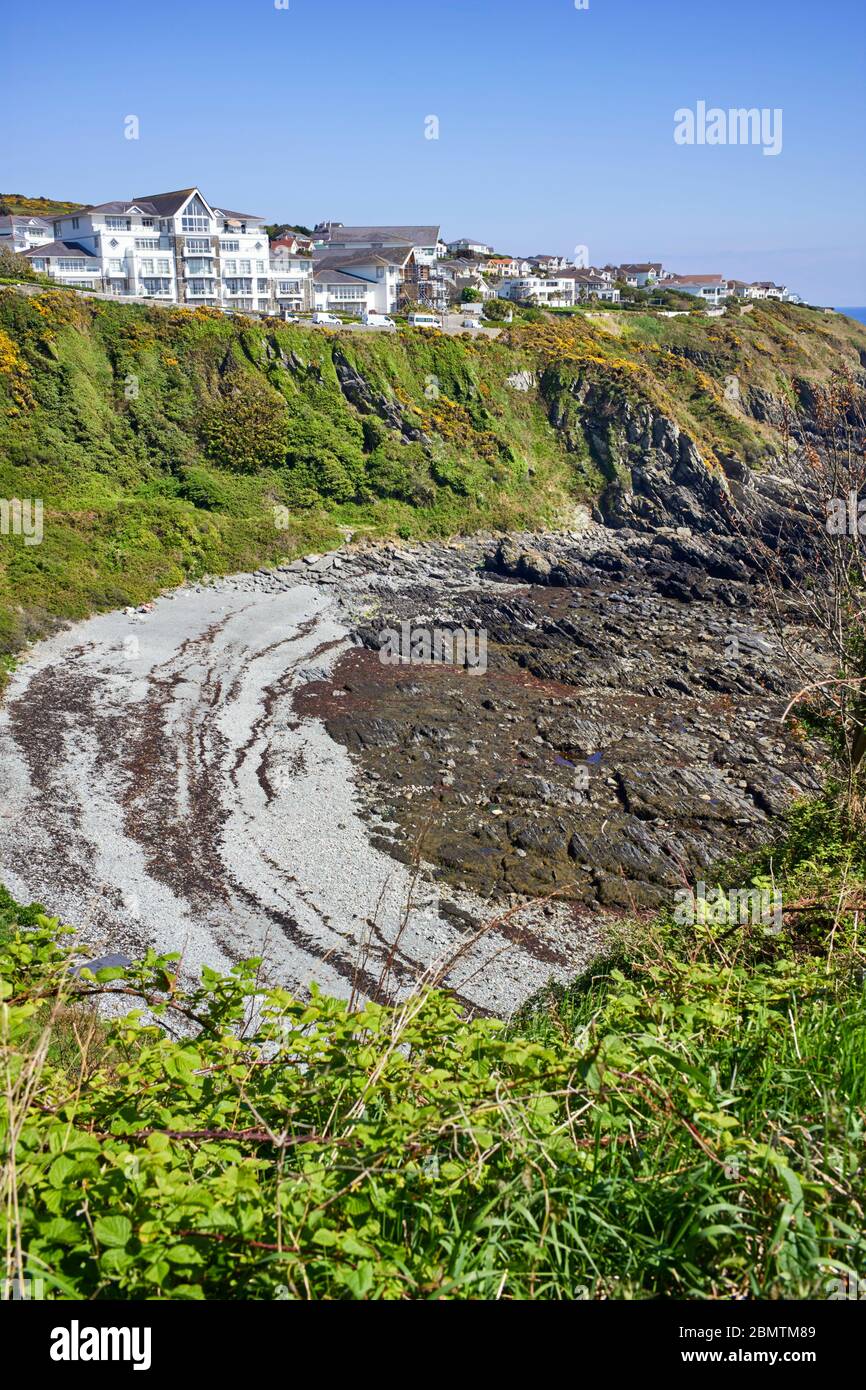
[60,1340]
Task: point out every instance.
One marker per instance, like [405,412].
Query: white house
[339,293]
[379,277]
[588,285]
[552,290]
[546,265]
[641,273]
[20,233]
[712,289]
[69,263]
[465,246]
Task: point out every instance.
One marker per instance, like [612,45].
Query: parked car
[471,323]
[374,320]
[423,321]
[290,318]
[330,319]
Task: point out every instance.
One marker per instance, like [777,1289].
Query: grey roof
[383,255]
[238,216]
[329,276]
[8,219]
[119,205]
[696,280]
[167,204]
[60,248]
[382,236]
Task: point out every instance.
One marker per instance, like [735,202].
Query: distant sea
[854,313]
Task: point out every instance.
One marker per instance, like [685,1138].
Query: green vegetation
[23,206]
[161,441]
[687,1121]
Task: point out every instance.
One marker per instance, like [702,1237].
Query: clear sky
[555,124]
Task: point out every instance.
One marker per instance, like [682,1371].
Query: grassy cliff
[167,443]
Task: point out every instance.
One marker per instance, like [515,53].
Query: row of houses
[179,248]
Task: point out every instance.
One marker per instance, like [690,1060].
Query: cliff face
[163,443]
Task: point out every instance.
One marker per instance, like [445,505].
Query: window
[147,222]
[196,218]
[197,243]
[198,287]
[147,243]
[163,265]
[157,286]
[115,268]
[239,286]
[115,224]
[73,263]
[230,267]
[261,267]
[231,245]
[75,224]
[199,266]
[245,267]
[263,286]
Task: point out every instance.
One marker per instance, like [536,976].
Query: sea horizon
[856,313]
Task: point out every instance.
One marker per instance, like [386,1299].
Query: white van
[330,319]
[423,321]
[373,320]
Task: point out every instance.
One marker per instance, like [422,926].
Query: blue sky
[555,124]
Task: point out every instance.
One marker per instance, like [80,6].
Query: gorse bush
[686,1122]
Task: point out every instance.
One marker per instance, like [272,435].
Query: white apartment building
[175,247]
[291,277]
[545,291]
[20,233]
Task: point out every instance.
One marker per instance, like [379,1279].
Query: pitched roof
[9,219]
[60,248]
[167,204]
[696,280]
[641,265]
[381,236]
[238,216]
[119,205]
[330,276]
[377,255]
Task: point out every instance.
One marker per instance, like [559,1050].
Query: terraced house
[175,246]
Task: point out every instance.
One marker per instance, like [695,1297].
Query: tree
[13,266]
[498,309]
[470,296]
